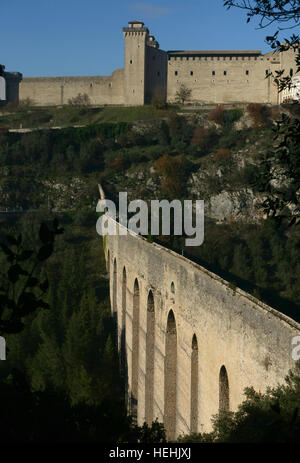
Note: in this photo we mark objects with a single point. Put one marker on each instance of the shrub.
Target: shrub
(26, 102)
(250, 174)
(232, 115)
(158, 102)
(180, 131)
(203, 138)
(259, 114)
(217, 115)
(80, 100)
(223, 154)
(119, 164)
(175, 122)
(172, 172)
(275, 113)
(163, 135)
(85, 217)
(233, 138)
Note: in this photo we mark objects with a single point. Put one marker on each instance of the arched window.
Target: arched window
(114, 305)
(135, 348)
(123, 332)
(172, 289)
(150, 342)
(170, 389)
(194, 385)
(108, 263)
(223, 390)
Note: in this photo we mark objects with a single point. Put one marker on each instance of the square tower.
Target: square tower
(136, 36)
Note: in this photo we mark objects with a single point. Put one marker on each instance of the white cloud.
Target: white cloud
(147, 10)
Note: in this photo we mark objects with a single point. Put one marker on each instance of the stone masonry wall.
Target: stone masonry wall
(233, 329)
(244, 80)
(47, 91)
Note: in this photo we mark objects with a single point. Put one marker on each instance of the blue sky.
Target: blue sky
(84, 37)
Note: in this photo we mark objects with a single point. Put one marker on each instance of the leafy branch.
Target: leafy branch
(21, 290)
(269, 11)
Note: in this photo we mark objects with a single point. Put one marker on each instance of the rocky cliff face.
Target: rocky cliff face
(223, 183)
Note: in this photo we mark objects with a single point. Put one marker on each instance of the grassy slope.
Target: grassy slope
(62, 116)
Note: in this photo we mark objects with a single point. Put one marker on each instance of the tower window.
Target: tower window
(158, 73)
(267, 72)
(191, 73)
(247, 73)
(225, 73)
(213, 73)
(131, 61)
(176, 73)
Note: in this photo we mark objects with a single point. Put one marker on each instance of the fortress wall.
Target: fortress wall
(156, 74)
(47, 91)
(236, 86)
(252, 340)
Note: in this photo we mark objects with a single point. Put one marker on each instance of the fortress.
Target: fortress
(218, 76)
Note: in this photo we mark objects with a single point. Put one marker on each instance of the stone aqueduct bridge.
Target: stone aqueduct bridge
(190, 343)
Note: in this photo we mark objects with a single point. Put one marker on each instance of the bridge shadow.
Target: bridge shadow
(130, 400)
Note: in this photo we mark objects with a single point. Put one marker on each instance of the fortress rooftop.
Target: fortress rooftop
(136, 22)
(214, 53)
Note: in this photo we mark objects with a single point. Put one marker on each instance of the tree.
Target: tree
(269, 417)
(259, 114)
(21, 291)
(62, 388)
(279, 172)
(217, 115)
(285, 14)
(172, 171)
(269, 11)
(183, 94)
(80, 100)
(158, 101)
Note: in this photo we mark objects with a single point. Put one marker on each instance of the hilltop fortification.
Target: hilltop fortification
(214, 76)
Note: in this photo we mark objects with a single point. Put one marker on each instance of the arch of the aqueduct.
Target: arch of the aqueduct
(190, 343)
